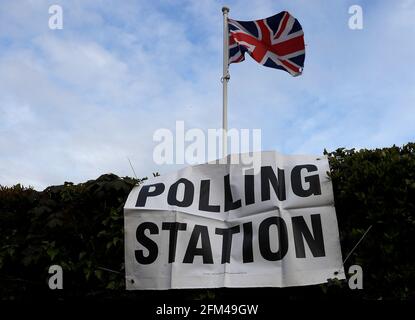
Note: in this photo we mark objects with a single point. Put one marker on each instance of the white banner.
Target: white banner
(228, 225)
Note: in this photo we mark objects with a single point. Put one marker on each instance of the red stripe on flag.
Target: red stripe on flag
(231, 40)
(288, 46)
(283, 25)
(260, 48)
(290, 66)
(265, 34)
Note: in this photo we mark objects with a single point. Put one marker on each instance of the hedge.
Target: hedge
(80, 227)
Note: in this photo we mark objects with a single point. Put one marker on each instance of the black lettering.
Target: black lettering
(149, 244)
(229, 204)
(267, 176)
(247, 250)
(316, 243)
(313, 181)
(174, 228)
(227, 241)
(189, 191)
(264, 239)
(145, 193)
(249, 189)
(204, 198)
(205, 251)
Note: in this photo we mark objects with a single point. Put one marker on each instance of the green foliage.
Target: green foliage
(80, 227)
(377, 187)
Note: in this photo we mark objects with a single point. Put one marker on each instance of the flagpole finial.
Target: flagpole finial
(225, 9)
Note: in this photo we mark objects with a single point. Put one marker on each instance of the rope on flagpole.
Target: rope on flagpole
(360, 240)
(354, 248)
(225, 78)
(132, 168)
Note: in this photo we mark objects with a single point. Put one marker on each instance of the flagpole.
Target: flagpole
(225, 79)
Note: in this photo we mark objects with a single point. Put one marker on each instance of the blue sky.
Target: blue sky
(76, 103)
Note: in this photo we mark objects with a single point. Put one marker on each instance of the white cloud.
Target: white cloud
(76, 103)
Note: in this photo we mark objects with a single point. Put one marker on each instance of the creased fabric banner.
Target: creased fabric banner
(271, 224)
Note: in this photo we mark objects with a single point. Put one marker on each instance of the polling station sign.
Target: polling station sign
(228, 225)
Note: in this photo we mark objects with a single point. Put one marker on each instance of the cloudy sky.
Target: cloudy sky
(78, 102)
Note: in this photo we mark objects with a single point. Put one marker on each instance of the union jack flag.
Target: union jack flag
(275, 42)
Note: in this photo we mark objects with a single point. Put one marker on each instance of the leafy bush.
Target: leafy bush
(377, 188)
(80, 227)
